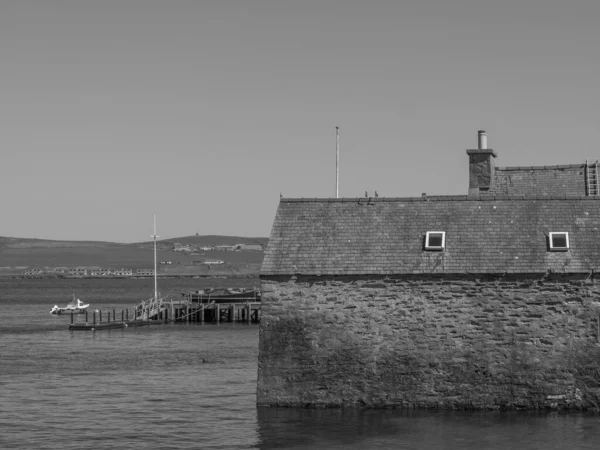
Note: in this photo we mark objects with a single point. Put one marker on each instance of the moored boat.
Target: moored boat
(223, 295)
(155, 305)
(75, 307)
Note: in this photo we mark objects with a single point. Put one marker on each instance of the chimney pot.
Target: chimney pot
(481, 140)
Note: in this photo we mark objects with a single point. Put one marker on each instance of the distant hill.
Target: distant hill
(10, 242)
(19, 254)
(211, 240)
(208, 240)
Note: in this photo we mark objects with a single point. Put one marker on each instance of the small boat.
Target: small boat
(223, 295)
(75, 307)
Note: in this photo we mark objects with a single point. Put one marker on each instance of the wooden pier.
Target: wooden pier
(161, 311)
(190, 312)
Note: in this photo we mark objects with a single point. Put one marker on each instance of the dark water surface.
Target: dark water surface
(194, 386)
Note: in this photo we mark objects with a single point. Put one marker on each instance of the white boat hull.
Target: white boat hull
(60, 311)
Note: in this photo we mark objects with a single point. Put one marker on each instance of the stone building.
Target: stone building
(482, 301)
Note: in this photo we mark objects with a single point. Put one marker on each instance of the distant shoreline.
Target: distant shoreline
(134, 277)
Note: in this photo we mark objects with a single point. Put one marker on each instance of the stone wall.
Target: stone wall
(465, 342)
(566, 180)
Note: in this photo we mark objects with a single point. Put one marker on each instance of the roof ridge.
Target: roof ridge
(562, 166)
(434, 198)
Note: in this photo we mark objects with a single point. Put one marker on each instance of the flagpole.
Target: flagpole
(337, 162)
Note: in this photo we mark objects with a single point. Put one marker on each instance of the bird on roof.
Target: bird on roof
(376, 194)
(366, 195)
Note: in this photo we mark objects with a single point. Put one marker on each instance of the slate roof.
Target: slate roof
(539, 180)
(386, 235)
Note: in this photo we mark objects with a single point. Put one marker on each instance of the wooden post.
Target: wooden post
(71, 318)
(127, 314)
(249, 313)
(172, 313)
(114, 316)
(86, 316)
(94, 318)
(231, 312)
(202, 313)
(100, 316)
(122, 316)
(187, 312)
(217, 311)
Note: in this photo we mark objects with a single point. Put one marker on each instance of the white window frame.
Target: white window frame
(435, 247)
(558, 249)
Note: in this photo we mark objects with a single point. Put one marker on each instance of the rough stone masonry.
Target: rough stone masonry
(491, 342)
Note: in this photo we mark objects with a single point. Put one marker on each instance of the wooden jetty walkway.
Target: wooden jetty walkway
(163, 311)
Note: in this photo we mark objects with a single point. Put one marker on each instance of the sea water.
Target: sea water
(188, 386)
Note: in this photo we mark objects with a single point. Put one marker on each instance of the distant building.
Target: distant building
(249, 247)
(184, 248)
(34, 272)
(144, 272)
(79, 271)
(123, 272)
(100, 272)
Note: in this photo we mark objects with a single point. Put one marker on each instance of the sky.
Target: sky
(205, 112)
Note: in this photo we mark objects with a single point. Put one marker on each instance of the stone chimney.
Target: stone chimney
(481, 166)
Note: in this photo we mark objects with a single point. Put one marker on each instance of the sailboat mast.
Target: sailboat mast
(154, 236)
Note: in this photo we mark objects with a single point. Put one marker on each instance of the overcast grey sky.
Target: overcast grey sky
(203, 112)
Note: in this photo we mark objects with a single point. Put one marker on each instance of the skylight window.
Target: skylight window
(435, 240)
(559, 241)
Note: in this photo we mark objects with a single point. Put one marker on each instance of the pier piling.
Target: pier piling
(172, 312)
